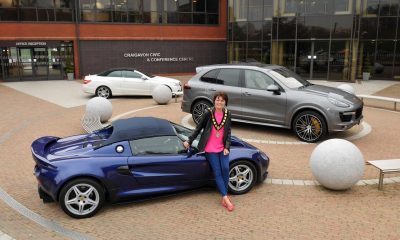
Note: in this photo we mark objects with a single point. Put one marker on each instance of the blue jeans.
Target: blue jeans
(220, 166)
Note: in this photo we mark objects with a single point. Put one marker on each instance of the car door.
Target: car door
(161, 164)
(261, 105)
(134, 84)
(113, 80)
(226, 80)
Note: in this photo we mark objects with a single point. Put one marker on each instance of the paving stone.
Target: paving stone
(287, 182)
(298, 182)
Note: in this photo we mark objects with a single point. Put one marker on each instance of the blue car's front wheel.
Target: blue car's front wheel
(242, 177)
(81, 198)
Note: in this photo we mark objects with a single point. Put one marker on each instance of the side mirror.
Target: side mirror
(274, 88)
(144, 78)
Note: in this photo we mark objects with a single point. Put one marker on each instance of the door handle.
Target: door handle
(212, 89)
(246, 94)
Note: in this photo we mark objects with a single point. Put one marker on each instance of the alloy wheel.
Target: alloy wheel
(104, 92)
(309, 127)
(240, 177)
(82, 199)
(198, 111)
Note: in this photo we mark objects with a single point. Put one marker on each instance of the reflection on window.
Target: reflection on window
(257, 80)
(268, 9)
(290, 7)
(240, 9)
(255, 10)
(157, 145)
(342, 6)
(229, 77)
(371, 7)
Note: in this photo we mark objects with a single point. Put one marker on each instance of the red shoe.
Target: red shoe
(229, 208)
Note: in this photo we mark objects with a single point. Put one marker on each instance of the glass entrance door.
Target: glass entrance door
(40, 63)
(25, 62)
(312, 59)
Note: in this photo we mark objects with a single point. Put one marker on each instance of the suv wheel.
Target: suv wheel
(309, 126)
(198, 109)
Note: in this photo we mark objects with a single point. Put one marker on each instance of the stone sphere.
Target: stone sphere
(347, 88)
(101, 107)
(337, 164)
(162, 94)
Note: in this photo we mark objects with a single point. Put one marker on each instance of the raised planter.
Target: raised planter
(366, 76)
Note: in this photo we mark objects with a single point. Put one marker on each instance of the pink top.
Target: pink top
(215, 144)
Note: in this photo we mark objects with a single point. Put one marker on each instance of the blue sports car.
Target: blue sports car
(133, 159)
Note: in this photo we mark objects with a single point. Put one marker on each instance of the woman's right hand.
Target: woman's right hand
(186, 144)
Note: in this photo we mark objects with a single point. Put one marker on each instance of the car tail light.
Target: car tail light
(86, 81)
(186, 86)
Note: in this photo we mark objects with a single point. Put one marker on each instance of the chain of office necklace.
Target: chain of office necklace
(221, 125)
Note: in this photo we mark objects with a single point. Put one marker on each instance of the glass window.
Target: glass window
(257, 80)
(286, 53)
(253, 52)
(115, 74)
(229, 77)
(254, 31)
(287, 28)
(316, 7)
(255, 10)
(240, 10)
(199, 6)
(212, 6)
(210, 76)
(342, 6)
(172, 5)
(266, 52)
(290, 6)
(45, 4)
(368, 28)
(27, 3)
(131, 74)
(199, 18)
(386, 28)
(388, 7)
(341, 26)
(212, 19)
(240, 31)
(267, 30)
(268, 9)
(157, 145)
(237, 51)
(339, 60)
(383, 66)
(313, 27)
(184, 6)
(371, 7)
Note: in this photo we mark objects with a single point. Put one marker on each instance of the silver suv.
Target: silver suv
(275, 96)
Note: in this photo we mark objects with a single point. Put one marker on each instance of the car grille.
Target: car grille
(347, 117)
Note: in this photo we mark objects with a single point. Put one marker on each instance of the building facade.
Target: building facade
(318, 39)
(45, 39)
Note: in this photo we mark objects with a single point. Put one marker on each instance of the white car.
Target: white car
(127, 81)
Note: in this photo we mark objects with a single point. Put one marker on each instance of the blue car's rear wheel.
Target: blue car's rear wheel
(242, 177)
(81, 198)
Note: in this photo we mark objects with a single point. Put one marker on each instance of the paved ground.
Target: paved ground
(268, 212)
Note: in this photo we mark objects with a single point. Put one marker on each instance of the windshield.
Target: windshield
(289, 78)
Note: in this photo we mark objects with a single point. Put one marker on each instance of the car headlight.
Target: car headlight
(338, 103)
(263, 155)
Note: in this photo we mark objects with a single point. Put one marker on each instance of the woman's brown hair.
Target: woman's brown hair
(222, 95)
